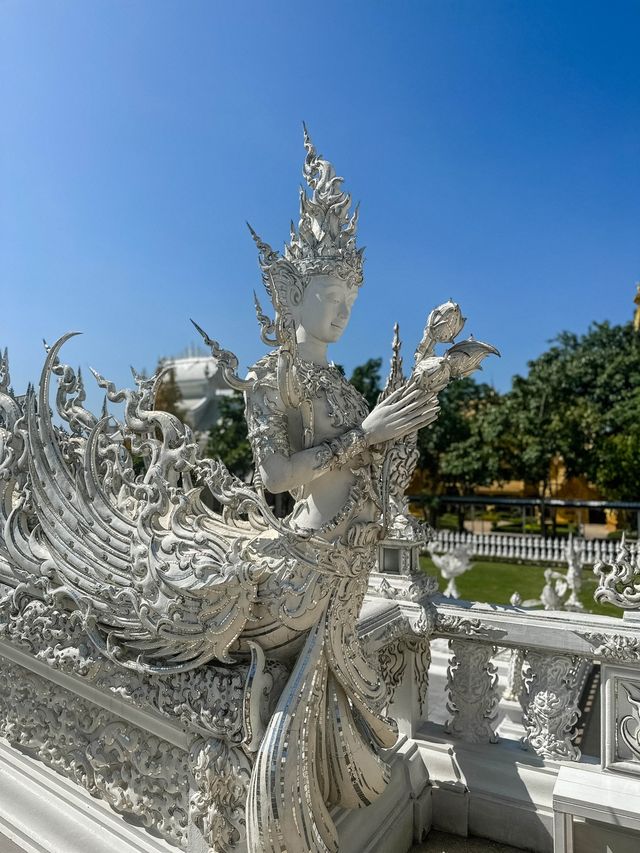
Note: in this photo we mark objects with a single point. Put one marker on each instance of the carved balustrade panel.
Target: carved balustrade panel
(202, 783)
(136, 772)
(472, 680)
(515, 680)
(621, 718)
(550, 701)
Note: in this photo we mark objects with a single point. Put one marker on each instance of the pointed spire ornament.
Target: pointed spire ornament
(324, 241)
(396, 374)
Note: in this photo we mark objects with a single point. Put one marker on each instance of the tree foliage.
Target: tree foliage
(460, 449)
(228, 438)
(366, 378)
(168, 394)
(579, 403)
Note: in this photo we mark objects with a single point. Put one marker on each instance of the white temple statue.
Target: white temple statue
(161, 584)
(560, 591)
(451, 565)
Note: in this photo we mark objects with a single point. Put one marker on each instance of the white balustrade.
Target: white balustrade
(525, 547)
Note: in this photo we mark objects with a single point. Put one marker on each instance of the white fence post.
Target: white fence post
(525, 548)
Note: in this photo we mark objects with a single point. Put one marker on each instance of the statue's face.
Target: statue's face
(326, 306)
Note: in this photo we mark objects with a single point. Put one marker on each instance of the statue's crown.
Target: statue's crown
(325, 241)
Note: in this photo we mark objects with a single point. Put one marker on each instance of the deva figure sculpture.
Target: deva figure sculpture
(162, 584)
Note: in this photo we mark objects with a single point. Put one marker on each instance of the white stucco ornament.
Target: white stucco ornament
(560, 591)
(161, 584)
(451, 565)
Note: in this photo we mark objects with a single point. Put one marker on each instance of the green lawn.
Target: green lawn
(494, 583)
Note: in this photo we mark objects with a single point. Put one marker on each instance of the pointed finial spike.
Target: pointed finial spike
(204, 335)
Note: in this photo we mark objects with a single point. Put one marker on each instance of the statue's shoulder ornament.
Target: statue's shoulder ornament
(266, 411)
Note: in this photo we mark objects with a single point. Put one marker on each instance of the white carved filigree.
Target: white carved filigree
(412, 588)
(629, 725)
(220, 775)
(515, 679)
(134, 771)
(105, 525)
(613, 647)
(574, 555)
(552, 686)
(472, 680)
(394, 658)
(462, 626)
(619, 581)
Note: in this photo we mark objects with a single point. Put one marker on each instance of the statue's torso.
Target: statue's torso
(325, 406)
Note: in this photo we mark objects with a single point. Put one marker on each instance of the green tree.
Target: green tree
(168, 395)
(366, 378)
(460, 449)
(580, 403)
(228, 439)
(618, 467)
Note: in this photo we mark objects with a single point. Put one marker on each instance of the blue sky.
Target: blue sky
(494, 146)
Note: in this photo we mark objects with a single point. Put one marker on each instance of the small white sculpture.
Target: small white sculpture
(619, 581)
(555, 587)
(575, 559)
(560, 591)
(451, 564)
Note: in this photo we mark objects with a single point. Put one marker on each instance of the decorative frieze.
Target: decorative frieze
(210, 699)
(402, 587)
(447, 623)
(613, 647)
(136, 772)
(621, 718)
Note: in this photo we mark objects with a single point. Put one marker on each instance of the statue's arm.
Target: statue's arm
(282, 470)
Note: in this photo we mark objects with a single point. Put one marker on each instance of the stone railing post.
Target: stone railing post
(515, 681)
(405, 668)
(550, 700)
(473, 696)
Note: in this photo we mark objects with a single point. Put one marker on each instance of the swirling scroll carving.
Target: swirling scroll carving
(472, 680)
(134, 771)
(221, 775)
(551, 704)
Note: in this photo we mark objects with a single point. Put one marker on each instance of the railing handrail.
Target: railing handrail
(583, 634)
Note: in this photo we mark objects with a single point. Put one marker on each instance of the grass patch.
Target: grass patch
(494, 583)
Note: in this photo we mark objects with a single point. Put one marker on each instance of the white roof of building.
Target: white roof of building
(200, 383)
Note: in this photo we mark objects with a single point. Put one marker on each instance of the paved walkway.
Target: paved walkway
(440, 842)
